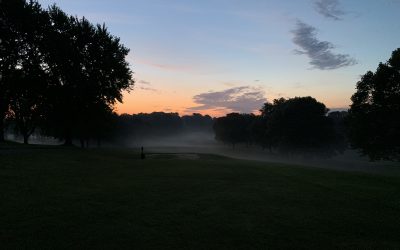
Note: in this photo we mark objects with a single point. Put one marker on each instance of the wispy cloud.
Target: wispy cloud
(319, 52)
(146, 86)
(144, 82)
(244, 99)
(229, 84)
(330, 9)
(168, 67)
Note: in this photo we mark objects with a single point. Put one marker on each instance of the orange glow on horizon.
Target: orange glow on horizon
(140, 101)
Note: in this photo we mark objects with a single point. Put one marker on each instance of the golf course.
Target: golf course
(69, 198)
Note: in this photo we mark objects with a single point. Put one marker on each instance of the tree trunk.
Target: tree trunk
(2, 129)
(68, 138)
(82, 143)
(3, 110)
(68, 141)
(26, 138)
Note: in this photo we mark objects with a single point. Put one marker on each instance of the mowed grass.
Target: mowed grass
(110, 199)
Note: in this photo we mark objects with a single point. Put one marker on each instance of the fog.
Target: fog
(204, 143)
(189, 144)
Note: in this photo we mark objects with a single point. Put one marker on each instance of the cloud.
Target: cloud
(229, 84)
(244, 99)
(329, 9)
(319, 52)
(146, 86)
(149, 89)
(144, 82)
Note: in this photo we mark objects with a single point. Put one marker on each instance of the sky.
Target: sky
(220, 56)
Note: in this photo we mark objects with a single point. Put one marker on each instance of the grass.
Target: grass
(100, 199)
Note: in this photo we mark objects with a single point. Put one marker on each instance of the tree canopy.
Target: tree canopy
(234, 128)
(374, 116)
(299, 124)
(57, 70)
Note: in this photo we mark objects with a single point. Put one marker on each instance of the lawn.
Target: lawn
(55, 197)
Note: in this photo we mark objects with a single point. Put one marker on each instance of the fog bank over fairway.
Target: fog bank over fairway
(188, 144)
(204, 143)
(184, 140)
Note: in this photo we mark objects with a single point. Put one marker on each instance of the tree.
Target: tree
(29, 84)
(89, 71)
(299, 125)
(9, 50)
(234, 128)
(59, 70)
(339, 119)
(259, 133)
(374, 115)
(197, 122)
(26, 82)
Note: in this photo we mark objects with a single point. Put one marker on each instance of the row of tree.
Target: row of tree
(157, 125)
(126, 129)
(63, 74)
(296, 125)
(302, 124)
(58, 72)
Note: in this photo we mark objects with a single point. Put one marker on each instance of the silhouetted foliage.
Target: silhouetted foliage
(29, 79)
(339, 119)
(60, 71)
(300, 125)
(130, 128)
(234, 128)
(259, 132)
(374, 116)
(10, 16)
(90, 72)
(197, 122)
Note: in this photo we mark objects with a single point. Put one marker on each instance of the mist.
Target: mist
(190, 136)
(195, 142)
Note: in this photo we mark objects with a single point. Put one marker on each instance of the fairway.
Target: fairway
(55, 197)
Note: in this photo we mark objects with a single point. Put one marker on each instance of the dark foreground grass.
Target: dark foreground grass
(110, 199)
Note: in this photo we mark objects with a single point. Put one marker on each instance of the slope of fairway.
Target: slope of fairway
(71, 198)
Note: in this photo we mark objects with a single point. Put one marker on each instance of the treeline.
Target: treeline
(59, 73)
(297, 125)
(303, 125)
(129, 128)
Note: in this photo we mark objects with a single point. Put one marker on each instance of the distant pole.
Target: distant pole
(142, 155)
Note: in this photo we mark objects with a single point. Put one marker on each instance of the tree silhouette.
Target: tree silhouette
(10, 11)
(234, 128)
(59, 70)
(339, 120)
(197, 122)
(25, 74)
(374, 116)
(299, 125)
(89, 72)
(29, 82)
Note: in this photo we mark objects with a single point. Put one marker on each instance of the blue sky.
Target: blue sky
(219, 56)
